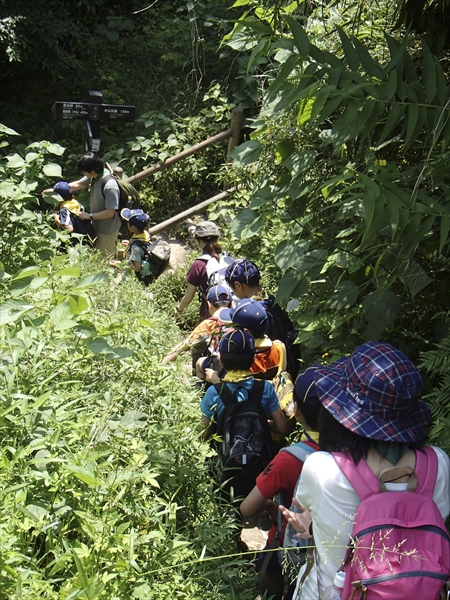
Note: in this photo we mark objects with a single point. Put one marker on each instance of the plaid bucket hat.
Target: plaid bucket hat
(375, 394)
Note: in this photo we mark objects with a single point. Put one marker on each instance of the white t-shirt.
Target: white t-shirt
(326, 492)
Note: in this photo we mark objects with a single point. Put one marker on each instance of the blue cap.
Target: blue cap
(242, 270)
(135, 217)
(63, 189)
(247, 313)
(237, 342)
(219, 293)
(304, 384)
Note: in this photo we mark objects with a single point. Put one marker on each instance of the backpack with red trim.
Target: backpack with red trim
(400, 547)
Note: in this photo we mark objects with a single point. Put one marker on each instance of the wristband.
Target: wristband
(91, 216)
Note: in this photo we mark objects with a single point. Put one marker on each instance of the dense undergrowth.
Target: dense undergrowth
(104, 488)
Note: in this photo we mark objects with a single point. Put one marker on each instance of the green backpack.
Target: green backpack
(128, 194)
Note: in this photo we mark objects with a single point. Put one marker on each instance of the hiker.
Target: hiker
(204, 337)
(236, 355)
(243, 276)
(206, 233)
(270, 356)
(67, 216)
(372, 416)
(279, 479)
(104, 202)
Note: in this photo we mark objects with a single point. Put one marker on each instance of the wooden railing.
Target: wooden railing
(233, 134)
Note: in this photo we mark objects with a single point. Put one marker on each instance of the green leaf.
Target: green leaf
(248, 152)
(85, 474)
(245, 224)
(101, 346)
(411, 115)
(344, 297)
(78, 304)
(62, 316)
(312, 262)
(56, 149)
(380, 310)
(305, 111)
(298, 163)
(287, 68)
(91, 280)
(259, 50)
(349, 51)
(319, 101)
(52, 170)
(324, 57)
(284, 149)
(68, 272)
(12, 310)
(390, 88)
(288, 252)
(7, 131)
(133, 419)
(429, 73)
(414, 277)
(369, 202)
(292, 285)
(369, 64)
(15, 161)
(300, 38)
(445, 225)
(341, 130)
(393, 120)
(257, 26)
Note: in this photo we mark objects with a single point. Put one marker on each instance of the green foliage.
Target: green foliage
(105, 492)
(350, 151)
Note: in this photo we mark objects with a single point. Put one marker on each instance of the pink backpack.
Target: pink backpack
(400, 547)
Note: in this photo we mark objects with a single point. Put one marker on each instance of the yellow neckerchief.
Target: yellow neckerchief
(144, 235)
(236, 376)
(72, 206)
(264, 342)
(314, 435)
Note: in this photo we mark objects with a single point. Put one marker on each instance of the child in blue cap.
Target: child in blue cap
(67, 216)
(206, 335)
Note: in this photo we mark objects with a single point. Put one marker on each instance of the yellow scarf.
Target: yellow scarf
(314, 435)
(235, 376)
(72, 206)
(144, 235)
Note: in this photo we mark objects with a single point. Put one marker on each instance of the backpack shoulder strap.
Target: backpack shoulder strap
(224, 392)
(105, 180)
(257, 389)
(300, 450)
(426, 470)
(360, 476)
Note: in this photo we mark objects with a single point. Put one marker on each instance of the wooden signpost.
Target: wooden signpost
(93, 113)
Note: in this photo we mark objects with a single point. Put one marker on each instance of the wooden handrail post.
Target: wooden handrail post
(237, 121)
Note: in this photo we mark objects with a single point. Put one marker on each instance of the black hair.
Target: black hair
(221, 304)
(212, 247)
(251, 282)
(90, 162)
(334, 437)
(310, 410)
(231, 361)
(258, 333)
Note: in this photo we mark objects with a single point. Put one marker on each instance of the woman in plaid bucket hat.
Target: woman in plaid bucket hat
(371, 411)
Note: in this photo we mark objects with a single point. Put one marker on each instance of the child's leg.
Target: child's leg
(199, 372)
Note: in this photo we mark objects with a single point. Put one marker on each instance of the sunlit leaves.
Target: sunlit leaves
(248, 152)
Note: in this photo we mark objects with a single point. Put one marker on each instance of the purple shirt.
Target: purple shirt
(198, 277)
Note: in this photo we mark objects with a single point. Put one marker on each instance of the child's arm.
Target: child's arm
(176, 351)
(255, 503)
(278, 424)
